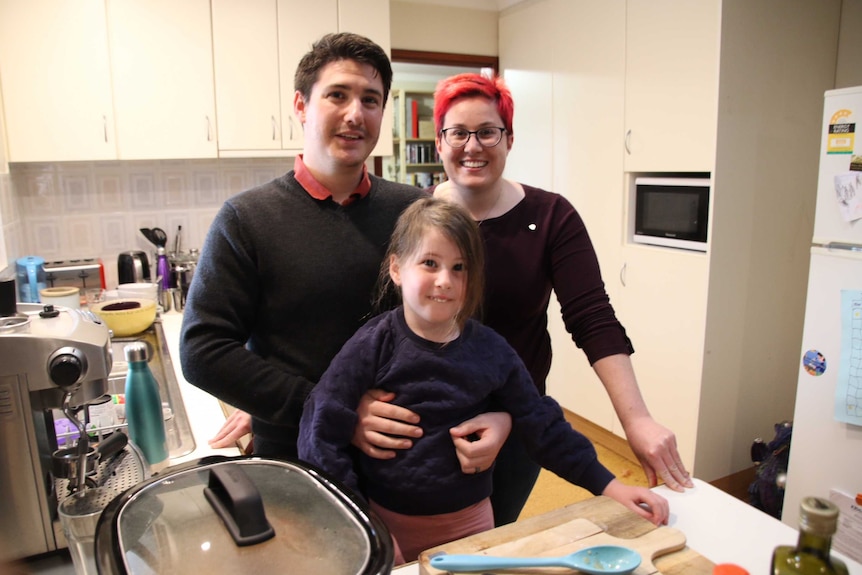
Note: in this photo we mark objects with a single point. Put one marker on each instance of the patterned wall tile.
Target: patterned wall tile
(174, 189)
(96, 209)
(44, 237)
(112, 190)
(80, 236)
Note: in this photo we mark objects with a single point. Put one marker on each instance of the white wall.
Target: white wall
(433, 28)
(849, 72)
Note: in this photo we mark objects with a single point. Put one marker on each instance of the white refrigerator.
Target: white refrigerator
(826, 444)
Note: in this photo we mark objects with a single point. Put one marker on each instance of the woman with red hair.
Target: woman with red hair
(536, 243)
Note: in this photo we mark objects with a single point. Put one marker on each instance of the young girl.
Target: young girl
(448, 368)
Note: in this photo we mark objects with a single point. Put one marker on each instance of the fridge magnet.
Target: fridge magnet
(848, 391)
(813, 362)
(841, 133)
(848, 194)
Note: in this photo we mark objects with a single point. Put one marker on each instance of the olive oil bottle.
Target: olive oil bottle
(818, 520)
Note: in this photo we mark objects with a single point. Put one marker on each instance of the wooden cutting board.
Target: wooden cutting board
(595, 521)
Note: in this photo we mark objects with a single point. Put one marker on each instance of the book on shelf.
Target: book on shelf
(426, 179)
(414, 126)
(422, 153)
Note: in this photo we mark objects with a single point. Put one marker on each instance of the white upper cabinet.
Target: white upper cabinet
(161, 55)
(245, 53)
(370, 18)
(257, 45)
(672, 56)
(300, 24)
(56, 77)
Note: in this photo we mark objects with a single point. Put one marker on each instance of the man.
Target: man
(287, 271)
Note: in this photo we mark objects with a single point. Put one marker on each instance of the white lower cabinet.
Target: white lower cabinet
(662, 302)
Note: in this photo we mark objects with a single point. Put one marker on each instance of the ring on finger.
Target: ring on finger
(477, 470)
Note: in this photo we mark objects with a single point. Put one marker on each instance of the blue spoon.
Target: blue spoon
(601, 559)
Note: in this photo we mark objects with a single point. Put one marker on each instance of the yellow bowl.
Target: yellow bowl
(126, 317)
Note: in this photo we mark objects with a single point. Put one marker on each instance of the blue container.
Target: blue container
(30, 275)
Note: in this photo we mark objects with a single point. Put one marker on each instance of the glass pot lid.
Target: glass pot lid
(241, 515)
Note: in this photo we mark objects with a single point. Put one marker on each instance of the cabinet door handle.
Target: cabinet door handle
(623, 274)
(209, 129)
(290, 125)
(274, 129)
(627, 142)
(105, 127)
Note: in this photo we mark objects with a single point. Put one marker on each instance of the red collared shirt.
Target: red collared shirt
(317, 191)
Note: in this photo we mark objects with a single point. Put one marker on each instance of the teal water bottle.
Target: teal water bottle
(144, 408)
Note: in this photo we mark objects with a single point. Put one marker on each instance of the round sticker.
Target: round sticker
(814, 362)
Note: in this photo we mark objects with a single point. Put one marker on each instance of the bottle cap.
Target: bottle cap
(818, 516)
(136, 351)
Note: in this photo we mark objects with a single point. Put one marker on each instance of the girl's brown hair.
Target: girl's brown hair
(456, 224)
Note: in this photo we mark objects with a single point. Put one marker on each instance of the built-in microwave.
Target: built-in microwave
(672, 212)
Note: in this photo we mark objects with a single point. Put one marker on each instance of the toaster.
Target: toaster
(80, 273)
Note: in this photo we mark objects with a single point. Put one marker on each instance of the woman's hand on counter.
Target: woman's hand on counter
(237, 425)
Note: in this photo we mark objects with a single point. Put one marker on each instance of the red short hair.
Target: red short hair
(473, 85)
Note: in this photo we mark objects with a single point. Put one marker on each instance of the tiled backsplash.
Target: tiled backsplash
(84, 209)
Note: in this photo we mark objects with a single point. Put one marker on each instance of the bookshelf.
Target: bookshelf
(415, 160)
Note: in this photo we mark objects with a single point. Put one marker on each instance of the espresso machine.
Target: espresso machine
(52, 361)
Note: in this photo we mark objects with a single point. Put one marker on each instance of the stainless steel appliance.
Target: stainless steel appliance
(133, 267)
(44, 354)
(671, 212)
(81, 273)
(241, 515)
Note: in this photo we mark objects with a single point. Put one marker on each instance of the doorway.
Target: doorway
(417, 73)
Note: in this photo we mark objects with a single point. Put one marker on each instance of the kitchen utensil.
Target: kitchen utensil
(31, 278)
(594, 521)
(601, 559)
(169, 523)
(65, 462)
(79, 515)
(133, 267)
(139, 290)
(67, 296)
(126, 317)
(156, 236)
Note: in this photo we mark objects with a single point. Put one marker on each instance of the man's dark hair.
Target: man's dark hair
(341, 46)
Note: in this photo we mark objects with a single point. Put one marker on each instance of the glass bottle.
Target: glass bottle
(144, 408)
(818, 520)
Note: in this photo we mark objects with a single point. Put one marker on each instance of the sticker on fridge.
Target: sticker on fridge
(848, 392)
(842, 133)
(848, 195)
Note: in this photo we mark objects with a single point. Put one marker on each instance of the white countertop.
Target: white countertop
(721, 528)
(202, 409)
(716, 525)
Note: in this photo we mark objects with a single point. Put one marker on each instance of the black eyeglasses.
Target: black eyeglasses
(487, 137)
